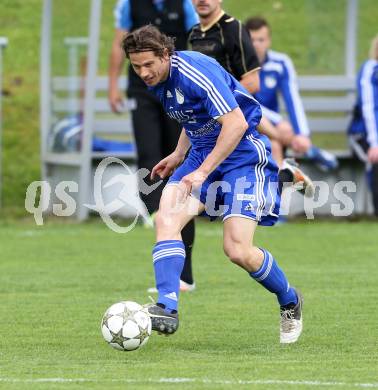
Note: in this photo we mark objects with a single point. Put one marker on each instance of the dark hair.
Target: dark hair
(148, 38)
(256, 23)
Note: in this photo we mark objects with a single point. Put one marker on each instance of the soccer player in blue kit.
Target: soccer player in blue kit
(278, 77)
(229, 171)
(363, 130)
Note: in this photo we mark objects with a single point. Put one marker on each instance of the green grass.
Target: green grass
(57, 280)
(311, 31)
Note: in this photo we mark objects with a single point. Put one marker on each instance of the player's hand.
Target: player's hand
(165, 167)
(301, 144)
(115, 100)
(373, 154)
(188, 182)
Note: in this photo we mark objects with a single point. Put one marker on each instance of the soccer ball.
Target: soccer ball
(126, 326)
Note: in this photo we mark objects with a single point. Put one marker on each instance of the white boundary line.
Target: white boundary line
(193, 380)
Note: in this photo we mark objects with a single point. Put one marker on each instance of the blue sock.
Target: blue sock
(273, 279)
(168, 257)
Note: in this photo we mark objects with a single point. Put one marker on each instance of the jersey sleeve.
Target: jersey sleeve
(369, 100)
(207, 81)
(273, 116)
(122, 16)
(290, 92)
(241, 53)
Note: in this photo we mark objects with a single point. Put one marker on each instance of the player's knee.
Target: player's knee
(286, 132)
(234, 251)
(166, 223)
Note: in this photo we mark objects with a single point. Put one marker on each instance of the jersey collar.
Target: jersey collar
(211, 24)
(267, 55)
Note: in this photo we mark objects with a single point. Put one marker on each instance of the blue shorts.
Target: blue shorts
(244, 185)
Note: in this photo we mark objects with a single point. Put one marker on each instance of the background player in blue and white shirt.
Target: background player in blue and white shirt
(229, 171)
(278, 76)
(363, 131)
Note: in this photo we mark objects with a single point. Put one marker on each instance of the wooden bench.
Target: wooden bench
(328, 102)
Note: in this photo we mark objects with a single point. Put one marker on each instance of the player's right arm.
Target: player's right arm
(233, 128)
(234, 125)
(116, 61)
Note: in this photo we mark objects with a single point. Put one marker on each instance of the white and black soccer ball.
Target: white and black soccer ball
(126, 326)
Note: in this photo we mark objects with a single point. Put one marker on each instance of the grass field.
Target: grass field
(57, 280)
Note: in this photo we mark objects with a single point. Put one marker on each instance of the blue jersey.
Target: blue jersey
(123, 20)
(198, 91)
(277, 75)
(365, 119)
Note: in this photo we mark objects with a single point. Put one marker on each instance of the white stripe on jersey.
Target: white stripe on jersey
(367, 96)
(206, 81)
(273, 66)
(246, 95)
(273, 116)
(209, 84)
(293, 87)
(190, 77)
(358, 149)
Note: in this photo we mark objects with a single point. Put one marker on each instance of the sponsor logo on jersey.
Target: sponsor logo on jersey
(270, 82)
(169, 94)
(207, 128)
(179, 96)
(185, 116)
